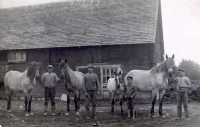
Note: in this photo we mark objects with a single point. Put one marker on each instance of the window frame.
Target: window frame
(22, 53)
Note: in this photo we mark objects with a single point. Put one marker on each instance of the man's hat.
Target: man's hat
(90, 66)
(129, 77)
(49, 66)
(180, 69)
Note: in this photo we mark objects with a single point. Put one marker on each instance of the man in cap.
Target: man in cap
(91, 88)
(49, 80)
(183, 83)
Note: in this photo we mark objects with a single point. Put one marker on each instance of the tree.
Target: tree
(192, 69)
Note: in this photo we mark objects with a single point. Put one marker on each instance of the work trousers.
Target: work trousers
(50, 93)
(91, 98)
(182, 97)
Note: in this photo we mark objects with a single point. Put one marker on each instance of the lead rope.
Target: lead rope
(184, 113)
(14, 116)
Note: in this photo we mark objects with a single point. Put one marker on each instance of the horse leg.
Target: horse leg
(9, 94)
(160, 102)
(121, 102)
(26, 102)
(154, 93)
(79, 101)
(112, 103)
(68, 102)
(29, 105)
(76, 101)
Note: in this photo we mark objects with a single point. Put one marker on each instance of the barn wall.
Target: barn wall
(138, 56)
(129, 56)
(159, 44)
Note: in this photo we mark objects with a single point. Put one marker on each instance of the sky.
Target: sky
(181, 25)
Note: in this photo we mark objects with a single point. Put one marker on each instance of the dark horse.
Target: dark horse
(21, 82)
(154, 81)
(73, 83)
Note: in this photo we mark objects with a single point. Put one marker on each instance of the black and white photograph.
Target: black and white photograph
(104, 63)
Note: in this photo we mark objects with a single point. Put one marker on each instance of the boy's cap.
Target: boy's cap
(49, 66)
(90, 66)
(129, 77)
(180, 69)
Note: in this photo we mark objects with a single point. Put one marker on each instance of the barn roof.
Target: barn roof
(67, 24)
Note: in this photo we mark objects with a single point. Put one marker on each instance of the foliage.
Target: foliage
(192, 69)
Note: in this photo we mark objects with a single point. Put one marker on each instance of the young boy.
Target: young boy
(49, 80)
(130, 92)
(183, 83)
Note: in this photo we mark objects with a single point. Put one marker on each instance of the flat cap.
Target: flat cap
(49, 66)
(180, 69)
(90, 66)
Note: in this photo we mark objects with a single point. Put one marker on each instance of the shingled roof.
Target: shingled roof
(67, 24)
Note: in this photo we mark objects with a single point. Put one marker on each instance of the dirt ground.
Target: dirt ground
(17, 118)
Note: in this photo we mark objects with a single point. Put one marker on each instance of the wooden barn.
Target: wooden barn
(110, 34)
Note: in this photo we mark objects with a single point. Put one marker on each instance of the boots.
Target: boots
(93, 113)
(45, 110)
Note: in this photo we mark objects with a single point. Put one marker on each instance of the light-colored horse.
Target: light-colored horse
(21, 82)
(73, 83)
(154, 81)
(115, 88)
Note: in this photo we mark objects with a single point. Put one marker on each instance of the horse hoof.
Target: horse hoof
(77, 113)
(31, 113)
(162, 116)
(26, 114)
(153, 116)
(67, 113)
(9, 110)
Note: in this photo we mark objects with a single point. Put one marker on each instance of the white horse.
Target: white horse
(115, 88)
(21, 82)
(154, 80)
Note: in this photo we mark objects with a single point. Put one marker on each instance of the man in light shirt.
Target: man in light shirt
(183, 83)
(49, 80)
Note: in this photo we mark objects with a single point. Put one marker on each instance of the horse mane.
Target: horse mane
(159, 68)
(31, 71)
(67, 69)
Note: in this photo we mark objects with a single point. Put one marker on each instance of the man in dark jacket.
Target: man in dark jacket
(91, 88)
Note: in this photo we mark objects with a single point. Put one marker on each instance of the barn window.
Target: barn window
(17, 56)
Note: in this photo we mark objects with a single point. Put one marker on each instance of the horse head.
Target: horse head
(62, 64)
(170, 65)
(117, 78)
(33, 70)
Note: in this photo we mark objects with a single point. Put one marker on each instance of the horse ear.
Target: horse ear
(59, 60)
(166, 56)
(120, 72)
(65, 60)
(173, 56)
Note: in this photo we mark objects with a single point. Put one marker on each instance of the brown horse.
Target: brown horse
(154, 81)
(21, 82)
(73, 83)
